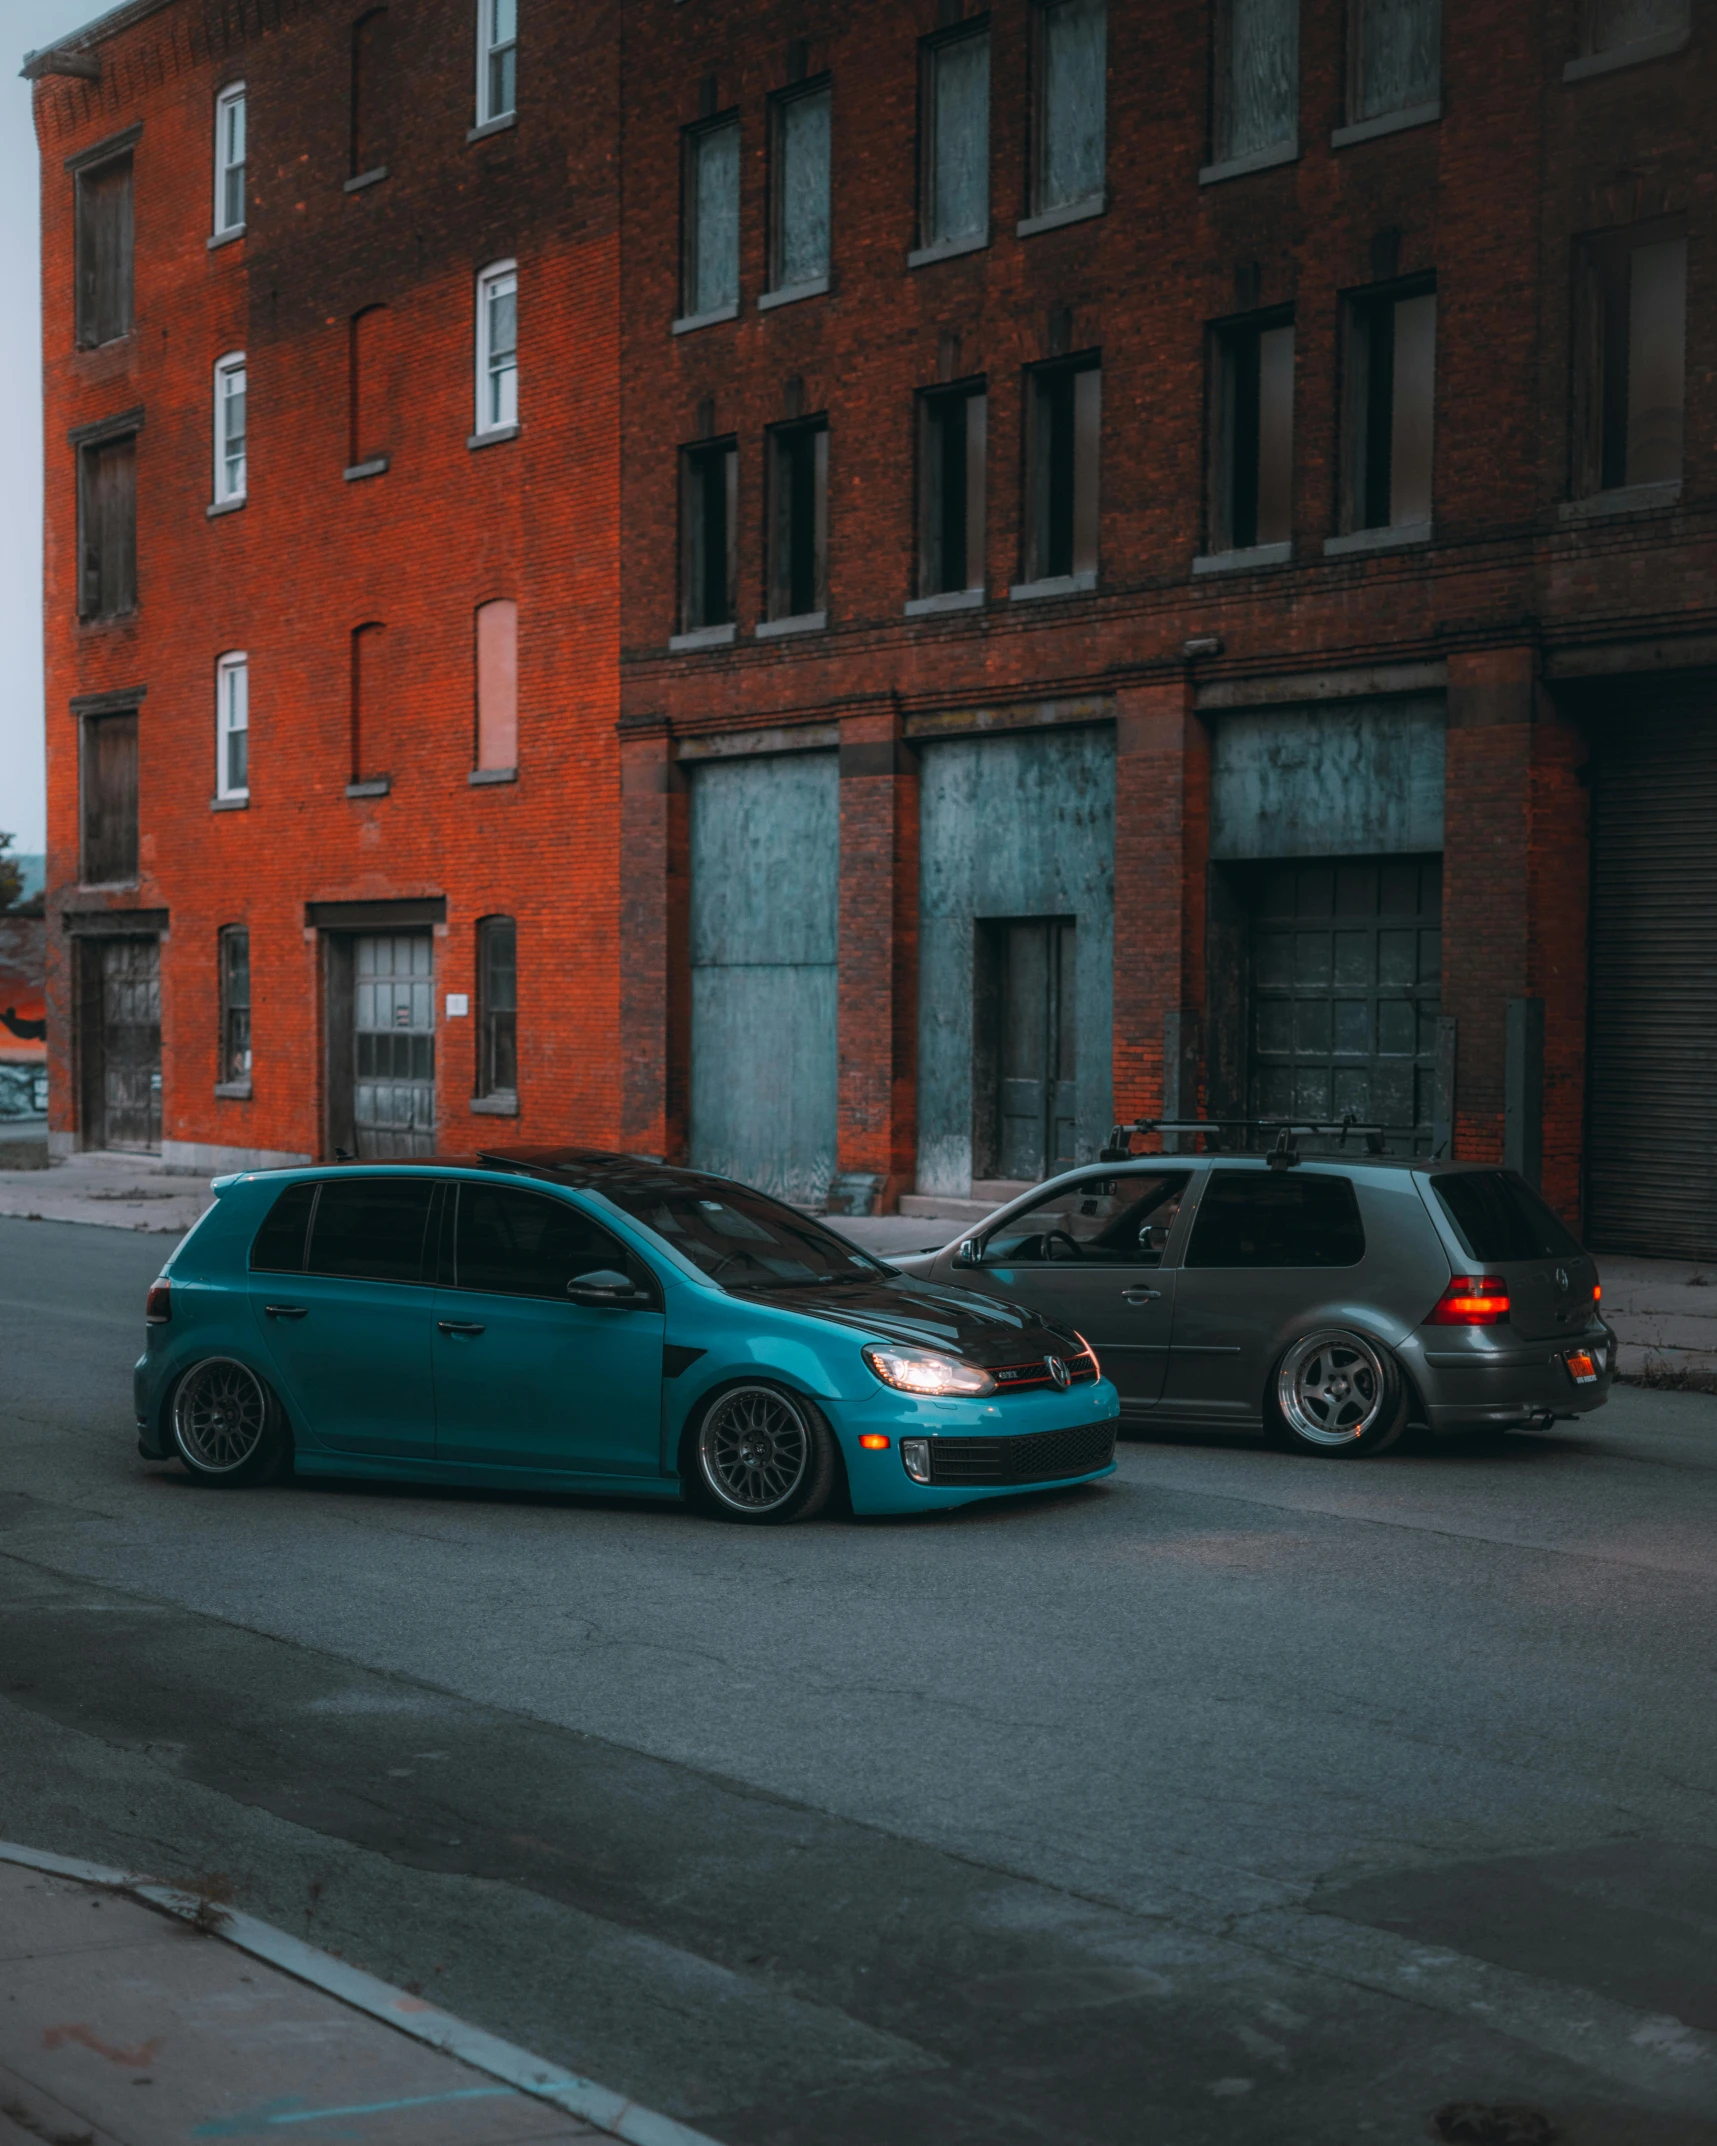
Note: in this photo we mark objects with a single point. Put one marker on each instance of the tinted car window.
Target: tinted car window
(743, 1238)
(1100, 1222)
(370, 1228)
(522, 1244)
(1257, 1218)
(279, 1245)
(1498, 1217)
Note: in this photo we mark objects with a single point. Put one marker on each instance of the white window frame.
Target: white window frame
(232, 95)
(489, 287)
(488, 45)
(228, 494)
(232, 717)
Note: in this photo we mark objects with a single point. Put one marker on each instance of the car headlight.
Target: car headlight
(925, 1371)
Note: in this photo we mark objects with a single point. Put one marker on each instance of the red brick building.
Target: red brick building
(1168, 561)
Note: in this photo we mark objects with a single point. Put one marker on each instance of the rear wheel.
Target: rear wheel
(227, 1426)
(763, 1455)
(1335, 1393)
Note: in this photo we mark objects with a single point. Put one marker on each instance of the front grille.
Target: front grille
(1011, 1377)
(1038, 1457)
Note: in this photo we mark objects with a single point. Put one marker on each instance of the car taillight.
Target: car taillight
(158, 1307)
(1471, 1300)
(1597, 1294)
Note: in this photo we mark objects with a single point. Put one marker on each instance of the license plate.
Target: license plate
(1581, 1369)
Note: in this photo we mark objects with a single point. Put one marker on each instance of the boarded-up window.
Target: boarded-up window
(1630, 356)
(800, 250)
(1257, 76)
(1395, 60)
(498, 684)
(370, 385)
(1389, 408)
(799, 520)
(107, 513)
(709, 499)
(956, 148)
(951, 443)
(104, 252)
(497, 1007)
(1252, 435)
(1072, 104)
(371, 709)
(235, 1006)
(711, 269)
(372, 92)
(1609, 25)
(107, 785)
(1064, 415)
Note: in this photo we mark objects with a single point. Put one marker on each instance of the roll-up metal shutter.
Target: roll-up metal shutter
(1651, 1145)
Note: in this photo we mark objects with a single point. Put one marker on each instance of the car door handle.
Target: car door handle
(457, 1326)
(286, 1311)
(1140, 1296)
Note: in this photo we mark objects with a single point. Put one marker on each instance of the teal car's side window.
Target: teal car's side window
(523, 1244)
(370, 1228)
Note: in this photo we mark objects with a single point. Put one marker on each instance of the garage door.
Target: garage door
(765, 857)
(1651, 1145)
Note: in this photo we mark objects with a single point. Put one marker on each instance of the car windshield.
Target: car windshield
(1498, 1217)
(744, 1239)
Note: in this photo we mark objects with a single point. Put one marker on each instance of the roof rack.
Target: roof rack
(1224, 1135)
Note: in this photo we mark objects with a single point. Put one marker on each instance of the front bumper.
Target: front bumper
(991, 1448)
(1493, 1379)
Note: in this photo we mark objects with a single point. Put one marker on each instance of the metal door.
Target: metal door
(1037, 1047)
(393, 1044)
(1346, 981)
(128, 1096)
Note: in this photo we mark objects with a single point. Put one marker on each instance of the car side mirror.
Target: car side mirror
(969, 1253)
(604, 1285)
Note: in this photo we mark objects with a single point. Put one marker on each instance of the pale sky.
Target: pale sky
(25, 26)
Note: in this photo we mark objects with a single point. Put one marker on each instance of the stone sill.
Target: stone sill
(224, 238)
(1398, 536)
(685, 644)
(1245, 561)
(494, 437)
(481, 778)
(690, 323)
(772, 629)
(1368, 130)
(1070, 212)
(372, 786)
(240, 803)
(1661, 47)
(947, 249)
(485, 127)
(1236, 167)
(1625, 499)
(495, 1106)
(948, 600)
(365, 178)
(1080, 584)
(818, 287)
(224, 506)
(233, 1091)
(375, 468)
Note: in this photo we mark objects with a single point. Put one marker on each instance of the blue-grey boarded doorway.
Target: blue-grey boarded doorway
(765, 866)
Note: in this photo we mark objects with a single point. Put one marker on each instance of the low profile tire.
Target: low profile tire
(1335, 1394)
(227, 1426)
(761, 1455)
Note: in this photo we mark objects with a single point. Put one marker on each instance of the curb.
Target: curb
(487, 2053)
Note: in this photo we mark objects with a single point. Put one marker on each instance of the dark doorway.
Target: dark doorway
(121, 1036)
(381, 1044)
(1026, 1087)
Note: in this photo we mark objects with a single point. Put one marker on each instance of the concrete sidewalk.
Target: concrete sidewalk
(124, 2026)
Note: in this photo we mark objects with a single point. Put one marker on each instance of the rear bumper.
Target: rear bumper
(1510, 1382)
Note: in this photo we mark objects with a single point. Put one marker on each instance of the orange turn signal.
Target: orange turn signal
(873, 1441)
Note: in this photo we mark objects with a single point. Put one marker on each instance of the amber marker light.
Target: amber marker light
(1471, 1300)
(873, 1441)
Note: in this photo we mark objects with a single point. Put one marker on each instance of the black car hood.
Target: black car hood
(929, 1315)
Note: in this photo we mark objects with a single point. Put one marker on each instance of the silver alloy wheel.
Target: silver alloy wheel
(754, 1449)
(1331, 1388)
(220, 1415)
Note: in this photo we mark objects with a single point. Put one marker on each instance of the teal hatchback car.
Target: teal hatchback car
(568, 1319)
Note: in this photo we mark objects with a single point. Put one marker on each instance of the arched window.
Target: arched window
(229, 160)
(498, 686)
(497, 59)
(232, 727)
(371, 93)
(498, 348)
(230, 465)
(232, 1072)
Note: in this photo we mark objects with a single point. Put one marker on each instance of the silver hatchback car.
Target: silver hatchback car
(1326, 1300)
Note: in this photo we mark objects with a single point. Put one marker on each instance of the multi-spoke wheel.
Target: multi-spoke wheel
(226, 1425)
(763, 1454)
(1335, 1392)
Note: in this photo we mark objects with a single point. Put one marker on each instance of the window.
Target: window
(232, 727)
(497, 59)
(951, 442)
(229, 430)
(234, 1069)
(1097, 1222)
(709, 497)
(369, 710)
(370, 382)
(498, 348)
(371, 93)
(1072, 101)
(1389, 401)
(1498, 1218)
(1257, 102)
(1630, 357)
(497, 1008)
(1613, 25)
(954, 182)
(104, 252)
(229, 160)
(1276, 1218)
(1252, 436)
(799, 221)
(107, 799)
(107, 515)
(527, 1244)
(1394, 57)
(709, 280)
(1064, 406)
(370, 1228)
(498, 685)
(279, 1246)
(744, 1239)
(798, 520)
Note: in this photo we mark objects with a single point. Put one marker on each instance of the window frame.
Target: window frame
(935, 405)
(1398, 115)
(1226, 530)
(933, 242)
(1361, 425)
(809, 286)
(89, 455)
(88, 727)
(225, 165)
(691, 140)
(1222, 150)
(488, 719)
(86, 325)
(487, 1088)
(1044, 211)
(1037, 534)
(228, 1081)
(694, 478)
(497, 272)
(1590, 386)
(232, 720)
(490, 48)
(779, 609)
(225, 494)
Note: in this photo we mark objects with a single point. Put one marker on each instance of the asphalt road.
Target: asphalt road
(1240, 1799)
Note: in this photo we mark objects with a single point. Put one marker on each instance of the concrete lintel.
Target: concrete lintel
(1014, 715)
(774, 738)
(1367, 681)
(1616, 658)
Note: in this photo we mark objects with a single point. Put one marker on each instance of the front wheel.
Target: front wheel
(1335, 1393)
(227, 1426)
(763, 1455)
